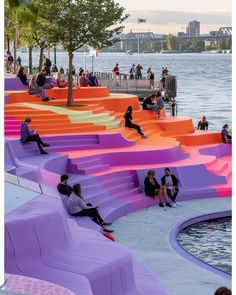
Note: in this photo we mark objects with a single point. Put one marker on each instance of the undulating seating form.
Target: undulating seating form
(91, 144)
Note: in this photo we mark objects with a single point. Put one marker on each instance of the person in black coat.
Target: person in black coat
(152, 189)
(128, 122)
(170, 182)
(63, 187)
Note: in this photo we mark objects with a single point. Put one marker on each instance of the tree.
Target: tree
(75, 23)
(229, 43)
(221, 44)
(172, 42)
(198, 45)
(36, 29)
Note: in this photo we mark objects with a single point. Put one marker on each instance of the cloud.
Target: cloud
(162, 17)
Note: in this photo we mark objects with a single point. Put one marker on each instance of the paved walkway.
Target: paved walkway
(146, 234)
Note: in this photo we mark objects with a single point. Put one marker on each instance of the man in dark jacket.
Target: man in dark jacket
(29, 135)
(171, 184)
(42, 80)
(63, 187)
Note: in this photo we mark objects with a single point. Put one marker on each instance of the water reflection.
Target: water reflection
(210, 242)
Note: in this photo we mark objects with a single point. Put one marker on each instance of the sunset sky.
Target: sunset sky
(173, 16)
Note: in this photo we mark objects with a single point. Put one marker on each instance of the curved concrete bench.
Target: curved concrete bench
(14, 84)
(45, 246)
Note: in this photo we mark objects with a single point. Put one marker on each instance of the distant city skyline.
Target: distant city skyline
(173, 16)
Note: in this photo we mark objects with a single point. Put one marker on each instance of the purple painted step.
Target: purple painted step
(14, 84)
(217, 150)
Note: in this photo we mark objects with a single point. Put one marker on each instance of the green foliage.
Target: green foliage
(79, 22)
(75, 23)
(172, 42)
(229, 43)
(198, 45)
(208, 47)
(221, 44)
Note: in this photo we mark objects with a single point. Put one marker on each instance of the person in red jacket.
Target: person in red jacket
(116, 73)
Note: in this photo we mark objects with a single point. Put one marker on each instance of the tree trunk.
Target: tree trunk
(15, 43)
(70, 81)
(41, 58)
(8, 43)
(30, 60)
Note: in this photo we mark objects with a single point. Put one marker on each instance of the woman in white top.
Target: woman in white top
(77, 206)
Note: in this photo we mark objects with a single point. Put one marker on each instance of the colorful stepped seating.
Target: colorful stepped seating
(111, 166)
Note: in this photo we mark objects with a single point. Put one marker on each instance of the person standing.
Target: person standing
(138, 72)
(159, 104)
(116, 73)
(29, 135)
(202, 124)
(170, 182)
(152, 189)
(128, 122)
(132, 72)
(226, 138)
(150, 76)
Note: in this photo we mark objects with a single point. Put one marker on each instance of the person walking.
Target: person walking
(128, 122)
(170, 182)
(159, 104)
(29, 135)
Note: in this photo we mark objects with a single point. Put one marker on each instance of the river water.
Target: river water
(210, 241)
(203, 80)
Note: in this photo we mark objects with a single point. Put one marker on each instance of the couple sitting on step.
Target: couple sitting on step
(76, 205)
(168, 188)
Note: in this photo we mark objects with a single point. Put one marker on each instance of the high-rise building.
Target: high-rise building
(193, 29)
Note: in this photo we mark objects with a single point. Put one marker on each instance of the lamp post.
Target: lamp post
(55, 54)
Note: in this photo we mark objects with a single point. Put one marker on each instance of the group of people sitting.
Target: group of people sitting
(87, 79)
(155, 103)
(76, 204)
(225, 134)
(168, 188)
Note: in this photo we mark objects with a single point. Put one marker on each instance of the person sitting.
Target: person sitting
(61, 71)
(29, 135)
(223, 291)
(202, 124)
(63, 187)
(152, 189)
(42, 80)
(83, 81)
(35, 89)
(226, 138)
(22, 76)
(128, 122)
(93, 81)
(54, 68)
(171, 184)
(149, 103)
(76, 206)
(61, 83)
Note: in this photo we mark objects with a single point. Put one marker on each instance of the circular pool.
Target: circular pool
(209, 241)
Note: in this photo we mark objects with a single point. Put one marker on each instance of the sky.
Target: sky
(172, 16)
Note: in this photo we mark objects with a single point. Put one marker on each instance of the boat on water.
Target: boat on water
(130, 52)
